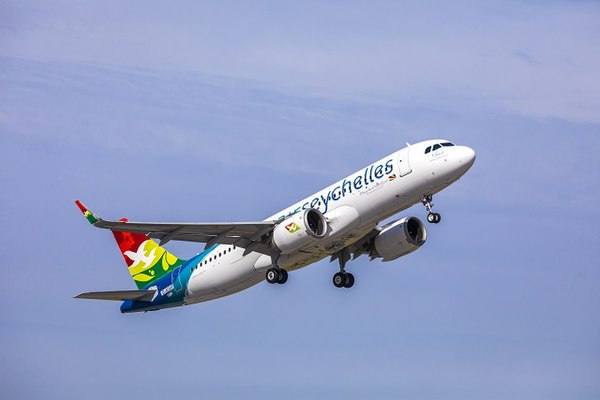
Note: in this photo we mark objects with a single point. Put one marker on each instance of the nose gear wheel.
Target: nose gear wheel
(434, 218)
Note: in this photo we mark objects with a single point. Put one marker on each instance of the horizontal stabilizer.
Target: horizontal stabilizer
(119, 295)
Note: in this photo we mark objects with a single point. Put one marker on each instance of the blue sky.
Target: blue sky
(227, 112)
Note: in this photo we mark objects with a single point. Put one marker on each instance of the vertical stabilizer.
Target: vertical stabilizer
(145, 259)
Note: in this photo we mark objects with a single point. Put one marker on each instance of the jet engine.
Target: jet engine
(299, 230)
(399, 238)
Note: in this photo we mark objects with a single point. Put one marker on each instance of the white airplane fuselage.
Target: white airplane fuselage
(374, 193)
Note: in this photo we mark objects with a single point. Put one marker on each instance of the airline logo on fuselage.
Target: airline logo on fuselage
(358, 183)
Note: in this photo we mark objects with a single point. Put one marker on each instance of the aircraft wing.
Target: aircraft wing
(248, 235)
(119, 295)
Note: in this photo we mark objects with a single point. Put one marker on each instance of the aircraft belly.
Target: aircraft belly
(252, 280)
(301, 259)
(223, 277)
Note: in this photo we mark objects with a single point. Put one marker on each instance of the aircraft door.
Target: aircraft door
(403, 162)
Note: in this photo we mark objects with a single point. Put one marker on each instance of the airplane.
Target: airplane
(340, 222)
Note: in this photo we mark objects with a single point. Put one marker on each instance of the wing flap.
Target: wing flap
(119, 295)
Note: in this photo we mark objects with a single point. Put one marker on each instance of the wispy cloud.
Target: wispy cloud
(356, 50)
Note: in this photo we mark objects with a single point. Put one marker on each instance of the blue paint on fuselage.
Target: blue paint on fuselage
(171, 288)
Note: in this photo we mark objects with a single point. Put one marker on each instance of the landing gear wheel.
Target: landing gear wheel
(349, 280)
(277, 275)
(339, 280)
(282, 276)
(343, 280)
(272, 275)
(434, 218)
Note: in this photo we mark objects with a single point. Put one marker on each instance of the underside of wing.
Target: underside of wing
(241, 234)
(119, 295)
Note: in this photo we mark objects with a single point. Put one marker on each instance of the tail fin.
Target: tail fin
(146, 260)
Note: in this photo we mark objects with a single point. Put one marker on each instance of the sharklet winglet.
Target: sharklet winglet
(90, 216)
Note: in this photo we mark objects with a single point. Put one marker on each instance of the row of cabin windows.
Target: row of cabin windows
(437, 146)
(215, 257)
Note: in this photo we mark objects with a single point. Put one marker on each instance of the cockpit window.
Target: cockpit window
(438, 146)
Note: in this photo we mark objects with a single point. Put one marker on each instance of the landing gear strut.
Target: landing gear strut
(433, 218)
(343, 279)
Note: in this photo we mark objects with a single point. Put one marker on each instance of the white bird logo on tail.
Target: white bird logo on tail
(140, 256)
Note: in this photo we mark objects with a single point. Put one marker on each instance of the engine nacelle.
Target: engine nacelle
(299, 230)
(399, 238)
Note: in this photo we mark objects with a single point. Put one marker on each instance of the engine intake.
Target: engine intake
(299, 230)
(399, 238)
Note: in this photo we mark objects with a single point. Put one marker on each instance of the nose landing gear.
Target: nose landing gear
(433, 218)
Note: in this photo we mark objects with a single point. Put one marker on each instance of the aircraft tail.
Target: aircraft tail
(146, 260)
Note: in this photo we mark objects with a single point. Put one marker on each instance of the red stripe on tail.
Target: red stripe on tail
(128, 241)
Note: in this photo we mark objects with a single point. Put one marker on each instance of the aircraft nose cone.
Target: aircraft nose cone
(467, 156)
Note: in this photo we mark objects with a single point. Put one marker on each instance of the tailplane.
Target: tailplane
(120, 295)
(146, 260)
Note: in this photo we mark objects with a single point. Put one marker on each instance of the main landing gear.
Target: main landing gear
(277, 275)
(343, 279)
(433, 218)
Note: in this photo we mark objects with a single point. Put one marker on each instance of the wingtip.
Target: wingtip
(81, 206)
(90, 216)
